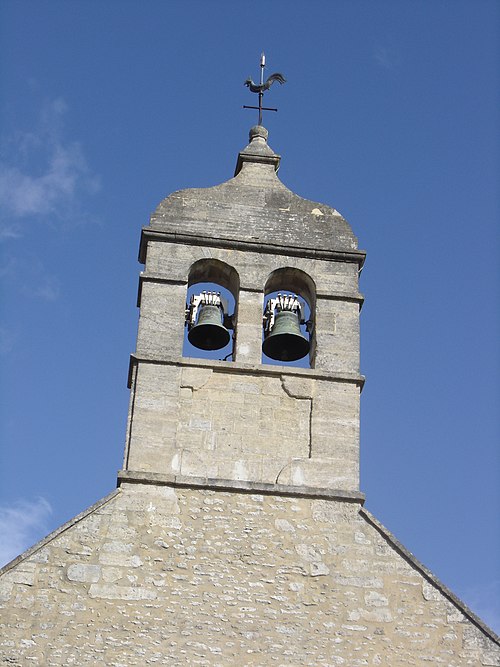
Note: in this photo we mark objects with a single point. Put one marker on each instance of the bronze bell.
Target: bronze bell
(209, 333)
(285, 341)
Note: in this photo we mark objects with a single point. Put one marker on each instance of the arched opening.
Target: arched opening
(289, 310)
(211, 310)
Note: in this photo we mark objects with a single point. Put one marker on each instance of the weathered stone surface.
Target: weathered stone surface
(83, 572)
(162, 303)
(237, 534)
(272, 213)
(258, 426)
(161, 324)
(236, 423)
(219, 578)
(245, 424)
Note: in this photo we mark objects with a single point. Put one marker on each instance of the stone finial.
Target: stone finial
(258, 133)
(258, 151)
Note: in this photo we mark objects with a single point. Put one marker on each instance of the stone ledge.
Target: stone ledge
(245, 369)
(271, 158)
(150, 233)
(238, 486)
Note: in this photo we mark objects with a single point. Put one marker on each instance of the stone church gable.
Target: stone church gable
(237, 534)
(170, 575)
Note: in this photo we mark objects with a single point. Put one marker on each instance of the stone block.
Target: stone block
(161, 320)
(84, 572)
(298, 387)
(319, 473)
(115, 592)
(195, 378)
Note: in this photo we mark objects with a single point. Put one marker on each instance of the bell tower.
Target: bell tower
(237, 534)
(291, 266)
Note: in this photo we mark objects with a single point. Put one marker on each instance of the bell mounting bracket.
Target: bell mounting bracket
(281, 302)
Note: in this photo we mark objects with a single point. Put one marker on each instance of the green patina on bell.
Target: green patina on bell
(286, 342)
(209, 333)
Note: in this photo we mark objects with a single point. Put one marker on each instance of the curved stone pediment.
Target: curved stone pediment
(254, 206)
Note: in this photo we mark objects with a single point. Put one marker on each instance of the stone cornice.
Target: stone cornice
(256, 158)
(152, 234)
(245, 369)
(238, 486)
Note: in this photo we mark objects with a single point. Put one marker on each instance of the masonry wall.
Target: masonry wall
(164, 289)
(160, 575)
(245, 420)
(214, 419)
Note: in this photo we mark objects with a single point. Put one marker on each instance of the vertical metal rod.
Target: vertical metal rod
(261, 94)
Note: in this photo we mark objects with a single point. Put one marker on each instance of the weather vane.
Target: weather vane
(262, 87)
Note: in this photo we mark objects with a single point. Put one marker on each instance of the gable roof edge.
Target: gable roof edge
(58, 531)
(427, 574)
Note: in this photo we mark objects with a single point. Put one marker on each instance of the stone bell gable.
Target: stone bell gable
(238, 533)
(244, 419)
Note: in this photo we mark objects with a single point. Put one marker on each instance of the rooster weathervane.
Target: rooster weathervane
(261, 87)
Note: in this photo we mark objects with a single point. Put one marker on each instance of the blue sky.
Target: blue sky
(389, 114)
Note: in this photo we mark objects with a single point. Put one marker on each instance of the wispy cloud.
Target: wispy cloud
(42, 173)
(7, 340)
(28, 273)
(47, 290)
(22, 524)
(385, 57)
